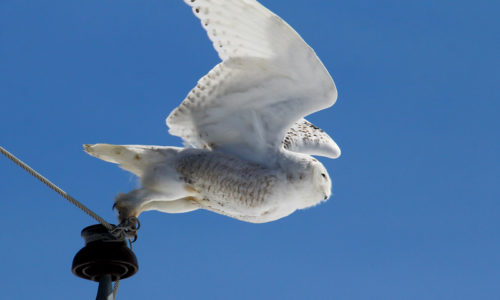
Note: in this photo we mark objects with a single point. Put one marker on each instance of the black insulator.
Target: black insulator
(103, 254)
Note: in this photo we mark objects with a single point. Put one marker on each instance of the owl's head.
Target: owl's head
(321, 180)
(315, 183)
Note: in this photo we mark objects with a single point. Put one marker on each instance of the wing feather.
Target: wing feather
(306, 138)
(268, 79)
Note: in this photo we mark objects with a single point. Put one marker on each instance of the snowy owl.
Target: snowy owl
(248, 147)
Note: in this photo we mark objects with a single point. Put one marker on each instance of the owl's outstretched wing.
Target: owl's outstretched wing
(269, 79)
(306, 138)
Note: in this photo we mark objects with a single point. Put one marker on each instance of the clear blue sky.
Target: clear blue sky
(415, 212)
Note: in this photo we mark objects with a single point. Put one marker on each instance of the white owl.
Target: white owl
(248, 153)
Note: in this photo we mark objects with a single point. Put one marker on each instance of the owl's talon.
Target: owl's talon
(127, 205)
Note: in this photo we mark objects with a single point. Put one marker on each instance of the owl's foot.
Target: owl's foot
(129, 205)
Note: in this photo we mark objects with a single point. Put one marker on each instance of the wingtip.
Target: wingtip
(336, 152)
(333, 150)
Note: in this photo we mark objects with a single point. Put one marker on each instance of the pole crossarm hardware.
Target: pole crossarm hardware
(105, 257)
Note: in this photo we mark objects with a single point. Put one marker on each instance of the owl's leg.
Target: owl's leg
(129, 204)
(137, 201)
(161, 184)
(133, 202)
(173, 207)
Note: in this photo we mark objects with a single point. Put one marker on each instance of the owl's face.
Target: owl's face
(315, 183)
(321, 180)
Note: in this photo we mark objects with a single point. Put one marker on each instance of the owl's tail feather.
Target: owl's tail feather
(133, 158)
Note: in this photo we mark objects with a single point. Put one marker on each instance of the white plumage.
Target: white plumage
(248, 154)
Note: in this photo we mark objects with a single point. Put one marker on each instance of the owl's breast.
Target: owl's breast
(234, 187)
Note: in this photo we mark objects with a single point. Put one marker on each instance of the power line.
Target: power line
(56, 189)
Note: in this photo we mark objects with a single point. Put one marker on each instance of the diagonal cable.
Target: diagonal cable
(56, 188)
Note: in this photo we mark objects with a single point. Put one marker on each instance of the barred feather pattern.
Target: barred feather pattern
(227, 184)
